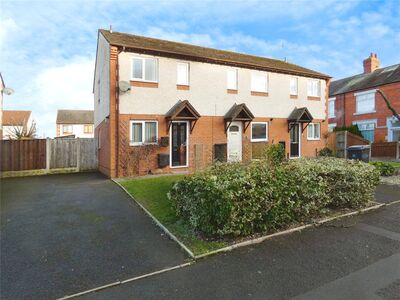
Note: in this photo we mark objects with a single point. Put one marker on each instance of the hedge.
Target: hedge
(233, 199)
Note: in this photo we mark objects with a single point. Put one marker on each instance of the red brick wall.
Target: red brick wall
(207, 132)
(102, 133)
(345, 108)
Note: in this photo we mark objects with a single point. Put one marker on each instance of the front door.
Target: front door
(295, 140)
(235, 142)
(179, 151)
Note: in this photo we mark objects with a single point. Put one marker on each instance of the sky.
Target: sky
(48, 48)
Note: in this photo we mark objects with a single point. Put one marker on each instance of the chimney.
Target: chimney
(371, 63)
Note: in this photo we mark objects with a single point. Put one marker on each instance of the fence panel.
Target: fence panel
(385, 150)
(63, 153)
(23, 155)
(88, 154)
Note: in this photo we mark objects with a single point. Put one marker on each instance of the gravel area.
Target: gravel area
(391, 180)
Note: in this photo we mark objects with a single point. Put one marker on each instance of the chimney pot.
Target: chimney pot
(371, 63)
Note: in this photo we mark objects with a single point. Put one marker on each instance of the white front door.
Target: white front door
(235, 142)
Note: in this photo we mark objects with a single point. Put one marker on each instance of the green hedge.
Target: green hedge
(385, 169)
(235, 199)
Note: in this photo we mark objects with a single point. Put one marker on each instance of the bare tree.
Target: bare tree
(388, 104)
(23, 132)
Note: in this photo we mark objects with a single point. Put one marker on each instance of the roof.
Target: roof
(16, 117)
(300, 115)
(65, 116)
(239, 112)
(182, 110)
(377, 78)
(198, 53)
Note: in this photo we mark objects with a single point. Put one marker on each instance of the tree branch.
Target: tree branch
(389, 105)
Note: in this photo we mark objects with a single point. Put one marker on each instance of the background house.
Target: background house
(354, 100)
(75, 123)
(163, 106)
(16, 119)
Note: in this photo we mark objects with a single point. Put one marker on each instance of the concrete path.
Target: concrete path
(61, 234)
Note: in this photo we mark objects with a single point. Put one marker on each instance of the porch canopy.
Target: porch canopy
(299, 116)
(238, 112)
(182, 111)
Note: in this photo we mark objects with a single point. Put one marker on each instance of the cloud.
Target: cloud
(7, 28)
(65, 87)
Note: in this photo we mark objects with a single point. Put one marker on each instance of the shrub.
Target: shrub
(351, 128)
(236, 199)
(327, 152)
(274, 154)
(385, 169)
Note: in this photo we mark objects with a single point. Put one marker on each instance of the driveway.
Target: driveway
(61, 234)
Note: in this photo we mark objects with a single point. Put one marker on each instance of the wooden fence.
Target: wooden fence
(48, 154)
(389, 150)
(339, 141)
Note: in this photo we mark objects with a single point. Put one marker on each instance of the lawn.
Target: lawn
(152, 194)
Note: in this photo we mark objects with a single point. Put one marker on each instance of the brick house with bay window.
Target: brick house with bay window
(354, 100)
(165, 107)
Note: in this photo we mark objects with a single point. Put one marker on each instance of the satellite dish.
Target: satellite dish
(124, 86)
(8, 91)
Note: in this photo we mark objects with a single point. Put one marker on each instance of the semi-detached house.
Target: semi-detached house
(165, 107)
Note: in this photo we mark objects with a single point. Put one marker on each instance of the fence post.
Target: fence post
(397, 150)
(78, 155)
(345, 144)
(48, 155)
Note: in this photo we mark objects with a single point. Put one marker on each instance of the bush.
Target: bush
(326, 152)
(385, 169)
(274, 154)
(236, 199)
(351, 128)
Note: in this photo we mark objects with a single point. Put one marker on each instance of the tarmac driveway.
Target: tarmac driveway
(61, 234)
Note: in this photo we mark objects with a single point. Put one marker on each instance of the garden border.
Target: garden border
(255, 240)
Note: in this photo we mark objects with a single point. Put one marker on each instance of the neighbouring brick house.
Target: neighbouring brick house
(75, 123)
(354, 100)
(165, 107)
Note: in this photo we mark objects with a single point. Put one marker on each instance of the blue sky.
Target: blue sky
(48, 47)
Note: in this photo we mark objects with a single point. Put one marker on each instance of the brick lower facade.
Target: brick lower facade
(345, 108)
(208, 131)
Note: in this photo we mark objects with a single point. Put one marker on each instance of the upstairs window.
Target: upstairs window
(259, 82)
(87, 128)
(314, 131)
(183, 74)
(293, 86)
(331, 108)
(143, 132)
(67, 128)
(145, 69)
(365, 102)
(314, 88)
(232, 83)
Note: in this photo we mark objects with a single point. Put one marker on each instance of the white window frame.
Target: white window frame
(310, 84)
(143, 59)
(297, 86)
(332, 114)
(266, 75)
(186, 64)
(313, 138)
(266, 135)
(68, 125)
(143, 122)
(331, 126)
(236, 79)
(363, 94)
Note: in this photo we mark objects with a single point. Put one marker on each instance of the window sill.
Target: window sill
(310, 139)
(314, 98)
(293, 97)
(259, 140)
(148, 84)
(364, 113)
(142, 144)
(182, 87)
(262, 94)
(230, 91)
